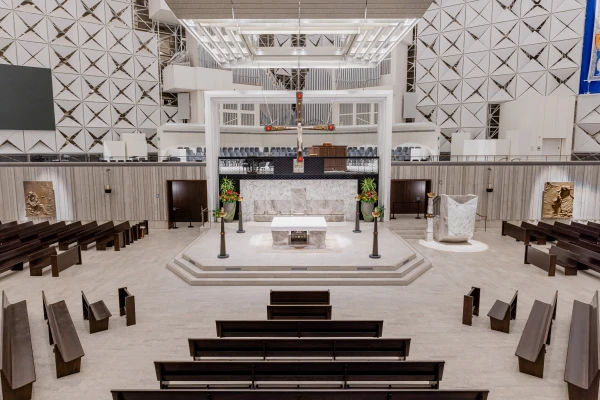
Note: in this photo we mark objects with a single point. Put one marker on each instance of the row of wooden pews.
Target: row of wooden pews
(582, 368)
(17, 363)
(37, 244)
(577, 245)
(295, 358)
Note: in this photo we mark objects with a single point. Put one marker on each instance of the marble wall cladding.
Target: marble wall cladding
(317, 197)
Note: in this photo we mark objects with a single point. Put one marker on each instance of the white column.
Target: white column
(429, 216)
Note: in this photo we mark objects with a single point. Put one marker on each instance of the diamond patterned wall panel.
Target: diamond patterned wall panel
(587, 131)
(8, 51)
(66, 9)
(7, 24)
(148, 116)
(11, 142)
(146, 69)
(40, 141)
(95, 137)
(123, 115)
(105, 74)
(509, 48)
(168, 115)
(70, 140)
(32, 54)
(30, 6)
(66, 86)
(151, 139)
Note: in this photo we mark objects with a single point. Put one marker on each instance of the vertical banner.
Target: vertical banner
(594, 70)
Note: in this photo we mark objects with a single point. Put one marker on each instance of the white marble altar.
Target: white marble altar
(331, 198)
(282, 227)
(456, 222)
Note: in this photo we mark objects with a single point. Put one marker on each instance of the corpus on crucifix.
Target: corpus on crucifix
(299, 127)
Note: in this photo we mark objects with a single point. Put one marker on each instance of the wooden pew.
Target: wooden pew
(291, 297)
(516, 232)
(114, 237)
(127, 306)
(97, 313)
(13, 260)
(11, 246)
(560, 233)
(300, 328)
(299, 348)
(146, 226)
(588, 259)
(407, 374)
(541, 234)
(8, 225)
(536, 336)
(12, 233)
(62, 334)
(502, 313)
(92, 235)
(584, 233)
(40, 260)
(18, 368)
(540, 259)
(471, 305)
(589, 227)
(65, 239)
(295, 394)
(583, 354)
(588, 245)
(565, 259)
(51, 235)
(308, 311)
(64, 260)
(36, 230)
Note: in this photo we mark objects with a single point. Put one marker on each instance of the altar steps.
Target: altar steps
(409, 228)
(194, 276)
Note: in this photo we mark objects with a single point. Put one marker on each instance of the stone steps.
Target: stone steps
(300, 278)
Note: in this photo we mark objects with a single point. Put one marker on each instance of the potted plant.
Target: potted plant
(229, 198)
(381, 209)
(368, 198)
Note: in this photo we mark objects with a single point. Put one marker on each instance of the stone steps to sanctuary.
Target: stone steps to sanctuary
(409, 228)
(298, 278)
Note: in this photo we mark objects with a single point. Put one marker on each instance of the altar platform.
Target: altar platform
(253, 260)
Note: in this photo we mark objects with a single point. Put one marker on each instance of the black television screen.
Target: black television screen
(26, 98)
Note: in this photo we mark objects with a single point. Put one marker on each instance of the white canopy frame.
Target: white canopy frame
(384, 127)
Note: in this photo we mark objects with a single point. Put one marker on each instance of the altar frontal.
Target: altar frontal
(299, 232)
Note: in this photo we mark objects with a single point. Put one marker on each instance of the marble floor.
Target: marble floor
(429, 311)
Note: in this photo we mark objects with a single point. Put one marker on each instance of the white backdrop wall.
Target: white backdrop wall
(105, 74)
(471, 53)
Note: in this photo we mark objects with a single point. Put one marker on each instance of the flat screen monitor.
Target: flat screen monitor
(26, 98)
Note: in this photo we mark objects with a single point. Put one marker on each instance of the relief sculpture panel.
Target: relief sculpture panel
(558, 200)
(39, 199)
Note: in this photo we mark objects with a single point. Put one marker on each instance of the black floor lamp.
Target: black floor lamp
(375, 253)
(222, 252)
(357, 220)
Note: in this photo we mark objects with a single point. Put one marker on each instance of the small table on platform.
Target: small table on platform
(308, 232)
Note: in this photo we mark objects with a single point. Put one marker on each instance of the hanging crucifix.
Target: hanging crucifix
(299, 161)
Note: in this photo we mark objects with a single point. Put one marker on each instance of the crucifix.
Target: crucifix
(299, 127)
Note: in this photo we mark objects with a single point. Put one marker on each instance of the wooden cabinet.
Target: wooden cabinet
(332, 164)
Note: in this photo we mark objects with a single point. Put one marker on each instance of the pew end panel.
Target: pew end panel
(565, 259)
(298, 297)
(127, 306)
(502, 313)
(540, 259)
(61, 262)
(471, 305)
(96, 313)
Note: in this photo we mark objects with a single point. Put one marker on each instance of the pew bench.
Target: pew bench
(18, 368)
(295, 394)
(542, 260)
(127, 306)
(584, 233)
(565, 259)
(581, 368)
(536, 336)
(297, 311)
(516, 232)
(502, 313)
(93, 234)
(40, 260)
(96, 313)
(299, 297)
(299, 328)
(299, 348)
(471, 305)
(66, 239)
(13, 260)
(560, 233)
(63, 335)
(588, 259)
(541, 234)
(287, 374)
